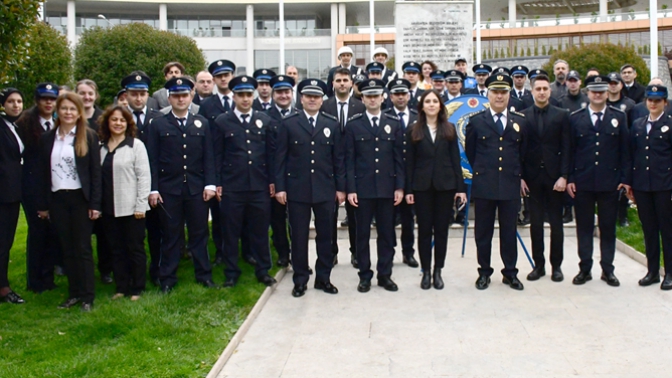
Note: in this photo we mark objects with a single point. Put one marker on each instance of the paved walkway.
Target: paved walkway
(548, 330)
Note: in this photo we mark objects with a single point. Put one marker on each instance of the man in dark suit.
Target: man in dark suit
(170, 70)
(310, 175)
(602, 165)
(264, 101)
(495, 146)
(345, 55)
(412, 74)
(181, 158)
(204, 84)
(343, 106)
(631, 88)
(404, 212)
(283, 88)
(375, 181)
(547, 165)
(244, 148)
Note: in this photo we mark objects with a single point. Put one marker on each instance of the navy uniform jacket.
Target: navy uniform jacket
(10, 165)
(374, 158)
(177, 155)
(256, 105)
(625, 105)
(601, 158)
(553, 147)
(142, 128)
(212, 107)
(497, 160)
(413, 100)
(244, 155)
(310, 163)
(412, 117)
(652, 154)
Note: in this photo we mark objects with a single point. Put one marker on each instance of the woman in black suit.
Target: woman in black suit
(433, 182)
(11, 149)
(70, 161)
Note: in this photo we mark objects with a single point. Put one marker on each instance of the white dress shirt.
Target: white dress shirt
(505, 116)
(63, 166)
(43, 121)
(379, 116)
(406, 116)
(650, 122)
(314, 117)
(593, 116)
(142, 116)
(432, 133)
(345, 109)
(239, 114)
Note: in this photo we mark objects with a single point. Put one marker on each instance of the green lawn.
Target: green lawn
(632, 235)
(177, 335)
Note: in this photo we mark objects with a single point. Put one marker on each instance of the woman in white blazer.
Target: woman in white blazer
(126, 184)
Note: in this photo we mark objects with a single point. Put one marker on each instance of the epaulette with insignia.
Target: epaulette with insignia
(290, 115)
(576, 111)
(354, 117)
(329, 116)
(617, 109)
(413, 111)
(391, 115)
(518, 113)
(479, 112)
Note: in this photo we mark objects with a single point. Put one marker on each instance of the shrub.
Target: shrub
(50, 59)
(17, 17)
(108, 55)
(606, 57)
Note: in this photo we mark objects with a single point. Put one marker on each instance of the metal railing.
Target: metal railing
(536, 21)
(305, 32)
(209, 32)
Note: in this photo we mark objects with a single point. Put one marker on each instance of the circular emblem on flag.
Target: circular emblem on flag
(138, 78)
(654, 89)
(387, 129)
(472, 102)
(259, 123)
(179, 82)
(281, 78)
(598, 79)
(314, 82)
(327, 132)
(48, 86)
(614, 122)
(198, 123)
(244, 79)
(219, 63)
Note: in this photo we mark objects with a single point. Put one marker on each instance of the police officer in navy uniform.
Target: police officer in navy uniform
(439, 82)
(310, 176)
(412, 74)
(137, 93)
(519, 76)
(651, 149)
(454, 84)
(404, 213)
(495, 145)
(374, 70)
(244, 149)
(482, 72)
(375, 181)
(181, 158)
(264, 101)
(515, 104)
(602, 167)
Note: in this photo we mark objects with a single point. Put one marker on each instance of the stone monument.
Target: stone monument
(440, 31)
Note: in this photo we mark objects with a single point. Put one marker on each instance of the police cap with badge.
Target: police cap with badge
(519, 71)
(243, 84)
(454, 76)
(46, 90)
(481, 69)
(411, 67)
(138, 82)
(399, 86)
(438, 75)
(656, 92)
(179, 85)
(615, 77)
(371, 87)
(280, 82)
(501, 71)
(375, 67)
(499, 82)
(573, 75)
(312, 87)
(263, 75)
(220, 67)
(535, 72)
(598, 83)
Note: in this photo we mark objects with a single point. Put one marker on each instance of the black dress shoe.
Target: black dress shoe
(667, 283)
(513, 282)
(69, 303)
(387, 284)
(87, 306)
(582, 278)
(536, 273)
(230, 282)
(165, 289)
(344, 223)
(482, 282)
(106, 279)
(524, 222)
(438, 281)
(298, 291)
(12, 297)
(364, 286)
(459, 219)
(250, 260)
(218, 261)
(426, 281)
(208, 284)
(649, 279)
(353, 261)
(282, 262)
(567, 216)
(557, 276)
(397, 220)
(327, 287)
(610, 279)
(267, 280)
(410, 261)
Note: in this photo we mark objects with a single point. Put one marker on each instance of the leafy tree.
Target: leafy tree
(16, 17)
(108, 55)
(50, 59)
(606, 57)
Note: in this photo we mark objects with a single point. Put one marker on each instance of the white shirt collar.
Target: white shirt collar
(504, 113)
(405, 111)
(601, 111)
(238, 114)
(289, 108)
(370, 116)
(43, 121)
(314, 116)
(655, 120)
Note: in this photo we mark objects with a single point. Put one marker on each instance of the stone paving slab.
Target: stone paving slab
(548, 330)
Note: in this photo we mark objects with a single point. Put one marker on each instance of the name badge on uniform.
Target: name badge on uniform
(387, 129)
(259, 123)
(664, 129)
(516, 127)
(327, 132)
(614, 122)
(198, 123)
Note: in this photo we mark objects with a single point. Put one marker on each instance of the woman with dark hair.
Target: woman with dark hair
(427, 67)
(43, 251)
(433, 182)
(126, 182)
(11, 148)
(71, 194)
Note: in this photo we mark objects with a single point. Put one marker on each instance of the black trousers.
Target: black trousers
(543, 199)
(607, 209)
(279, 227)
(9, 217)
(126, 241)
(69, 212)
(383, 210)
(407, 214)
(435, 211)
(216, 224)
(623, 204)
(655, 213)
(178, 209)
(507, 211)
(42, 248)
(255, 208)
(352, 228)
(299, 221)
(102, 249)
(153, 226)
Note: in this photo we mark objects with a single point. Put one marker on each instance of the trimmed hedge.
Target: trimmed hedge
(107, 55)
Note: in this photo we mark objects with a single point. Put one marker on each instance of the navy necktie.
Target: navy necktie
(182, 122)
(401, 120)
(137, 114)
(244, 117)
(265, 105)
(499, 123)
(375, 122)
(341, 116)
(598, 123)
(284, 112)
(311, 120)
(225, 103)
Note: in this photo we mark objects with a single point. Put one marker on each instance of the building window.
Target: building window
(310, 63)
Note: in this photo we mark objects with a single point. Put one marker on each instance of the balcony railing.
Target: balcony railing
(366, 29)
(294, 33)
(209, 33)
(571, 20)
